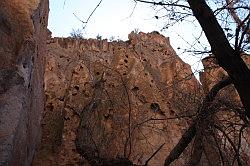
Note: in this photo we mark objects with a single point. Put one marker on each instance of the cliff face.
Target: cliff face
(115, 99)
(104, 100)
(23, 32)
(229, 111)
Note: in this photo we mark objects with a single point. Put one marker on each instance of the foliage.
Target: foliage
(136, 30)
(112, 38)
(99, 37)
(76, 34)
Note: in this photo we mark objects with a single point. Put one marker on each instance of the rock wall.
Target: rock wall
(115, 99)
(103, 99)
(229, 110)
(23, 35)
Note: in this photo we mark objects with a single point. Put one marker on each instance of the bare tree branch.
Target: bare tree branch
(231, 143)
(86, 22)
(228, 58)
(181, 146)
(163, 4)
(232, 11)
(202, 115)
(146, 163)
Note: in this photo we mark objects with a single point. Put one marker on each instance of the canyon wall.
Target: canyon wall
(229, 116)
(115, 100)
(125, 100)
(23, 35)
(103, 100)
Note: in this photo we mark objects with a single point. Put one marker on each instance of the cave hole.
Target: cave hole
(77, 87)
(155, 107)
(135, 88)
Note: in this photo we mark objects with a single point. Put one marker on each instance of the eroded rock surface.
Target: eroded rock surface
(105, 101)
(115, 99)
(23, 35)
(229, 117)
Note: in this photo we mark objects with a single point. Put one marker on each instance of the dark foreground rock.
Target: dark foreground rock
(23, 34)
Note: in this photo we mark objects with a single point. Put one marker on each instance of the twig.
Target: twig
(202, 115)
(163, 4)
(231, 143)
(133, 10)
(245, 31)
(181, 145)
(64, 3)
(86, 22)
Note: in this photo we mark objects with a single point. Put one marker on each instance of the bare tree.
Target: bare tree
(216, 18)
(215, 22)
(228, 55)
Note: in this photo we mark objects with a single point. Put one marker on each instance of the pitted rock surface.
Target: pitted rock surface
(117, 99)
(23, 36)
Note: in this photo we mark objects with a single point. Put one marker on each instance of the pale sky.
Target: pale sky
(112, 18)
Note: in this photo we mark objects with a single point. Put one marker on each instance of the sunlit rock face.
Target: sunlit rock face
(116, 99)
(23, 32)
(229, 107)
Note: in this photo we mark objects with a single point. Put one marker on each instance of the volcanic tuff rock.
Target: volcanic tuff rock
(104, 100)
(228, 103)
(213, 73)
(23, 32)
(115, 99)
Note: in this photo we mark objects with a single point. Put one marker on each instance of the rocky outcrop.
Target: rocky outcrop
(107, 103)
(23, 32)
(229, 117)
(115, 100)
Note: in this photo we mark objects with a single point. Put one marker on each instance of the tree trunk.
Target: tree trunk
(227, 57)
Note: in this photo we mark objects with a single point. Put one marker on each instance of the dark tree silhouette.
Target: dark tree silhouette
(228, 56)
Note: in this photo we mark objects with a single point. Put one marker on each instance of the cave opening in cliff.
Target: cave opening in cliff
(116, 105)
(97, 19)
(111, 85)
